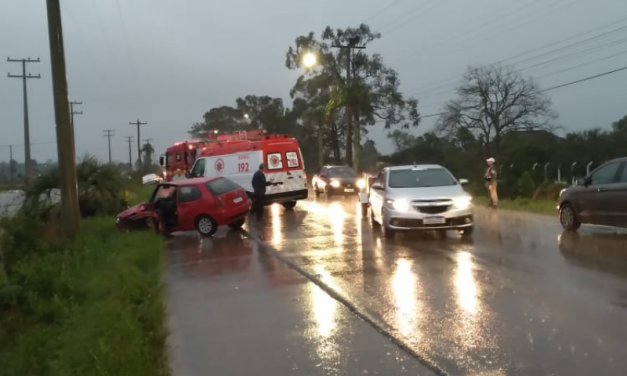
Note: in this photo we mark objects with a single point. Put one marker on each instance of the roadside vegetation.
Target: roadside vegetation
(91, 306)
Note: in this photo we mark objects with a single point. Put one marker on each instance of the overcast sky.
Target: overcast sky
(168, 62)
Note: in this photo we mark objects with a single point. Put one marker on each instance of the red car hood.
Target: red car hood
(134, 210)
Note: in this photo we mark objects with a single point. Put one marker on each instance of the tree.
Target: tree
(147, 151)
(359, 83)
(223, 119)
(250, 112)
(402, 140)
(494, 101)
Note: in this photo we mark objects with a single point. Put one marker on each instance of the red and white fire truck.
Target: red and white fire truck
(237, 156)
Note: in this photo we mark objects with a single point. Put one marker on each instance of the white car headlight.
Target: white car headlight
(400, 204)
(335, 183)
(462, 202)
(361, 184)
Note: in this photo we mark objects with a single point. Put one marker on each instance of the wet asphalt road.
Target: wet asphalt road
(520, 298)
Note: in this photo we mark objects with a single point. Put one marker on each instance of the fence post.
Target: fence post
(546, 174)
(572, 172)
(588, 168)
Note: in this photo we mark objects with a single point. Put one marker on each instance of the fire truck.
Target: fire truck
(179, 158)
(237, 156)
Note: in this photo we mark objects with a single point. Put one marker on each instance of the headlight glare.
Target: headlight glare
(335, 183)
(400, 204)
(361, 184)
(462, 202)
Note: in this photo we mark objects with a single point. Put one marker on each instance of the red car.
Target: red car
(202, 204)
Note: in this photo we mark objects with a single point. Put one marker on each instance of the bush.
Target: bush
(100, 190)
(92, 306)
(549, 191)
(525, 186)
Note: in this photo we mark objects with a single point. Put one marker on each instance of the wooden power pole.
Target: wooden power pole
(108, 134)
(139, 147)
(70, 211)
(352, 45)
(129, 140)
(25, 77)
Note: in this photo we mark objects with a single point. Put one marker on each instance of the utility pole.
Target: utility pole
(72, 112)
(70, 212)
(10, 163)
(129, 140)
(108, 134)
(24, 77)
(139, 148)
(352, 45)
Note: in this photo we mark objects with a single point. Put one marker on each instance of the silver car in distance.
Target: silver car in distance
(420, 197)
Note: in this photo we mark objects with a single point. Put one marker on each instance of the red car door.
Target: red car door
(189, 207)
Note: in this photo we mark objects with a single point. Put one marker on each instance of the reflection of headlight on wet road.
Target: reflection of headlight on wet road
(335, 183)
(361, 184)
(462, 202)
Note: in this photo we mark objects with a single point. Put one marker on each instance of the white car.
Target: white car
(420, 197)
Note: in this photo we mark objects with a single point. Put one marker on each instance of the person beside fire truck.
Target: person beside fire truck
(259, 187)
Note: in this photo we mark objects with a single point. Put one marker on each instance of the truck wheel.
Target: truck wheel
(237, 224)
(206, 225)
(289, 205)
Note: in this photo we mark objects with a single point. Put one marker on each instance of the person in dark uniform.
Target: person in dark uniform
(490, 182)
(259, 188)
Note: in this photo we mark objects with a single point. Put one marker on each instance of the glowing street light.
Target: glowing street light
(309, 60)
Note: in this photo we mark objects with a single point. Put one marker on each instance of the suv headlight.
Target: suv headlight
(462, 202)
(335, 183)
(399, 205)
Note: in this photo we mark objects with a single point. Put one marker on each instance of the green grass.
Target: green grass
(91, 307)
(523, 204)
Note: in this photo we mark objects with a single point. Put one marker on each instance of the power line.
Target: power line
(554, 87)
(25, 77)
(409, 13)
(584, 79)
(382, 10)
(448, 87)
(440, 83)
(32, 143)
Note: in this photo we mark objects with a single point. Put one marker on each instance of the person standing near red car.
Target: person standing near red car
(259, 187)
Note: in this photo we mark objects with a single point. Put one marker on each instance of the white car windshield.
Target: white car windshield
(430, 177)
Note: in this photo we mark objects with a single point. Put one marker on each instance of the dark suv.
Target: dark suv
(599, 198)
(337, 180)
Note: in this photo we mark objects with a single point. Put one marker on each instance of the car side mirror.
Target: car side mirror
(377, 186)
(584, 181)
(463, 181)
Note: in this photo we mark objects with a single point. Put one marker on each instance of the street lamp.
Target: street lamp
(309, 60)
